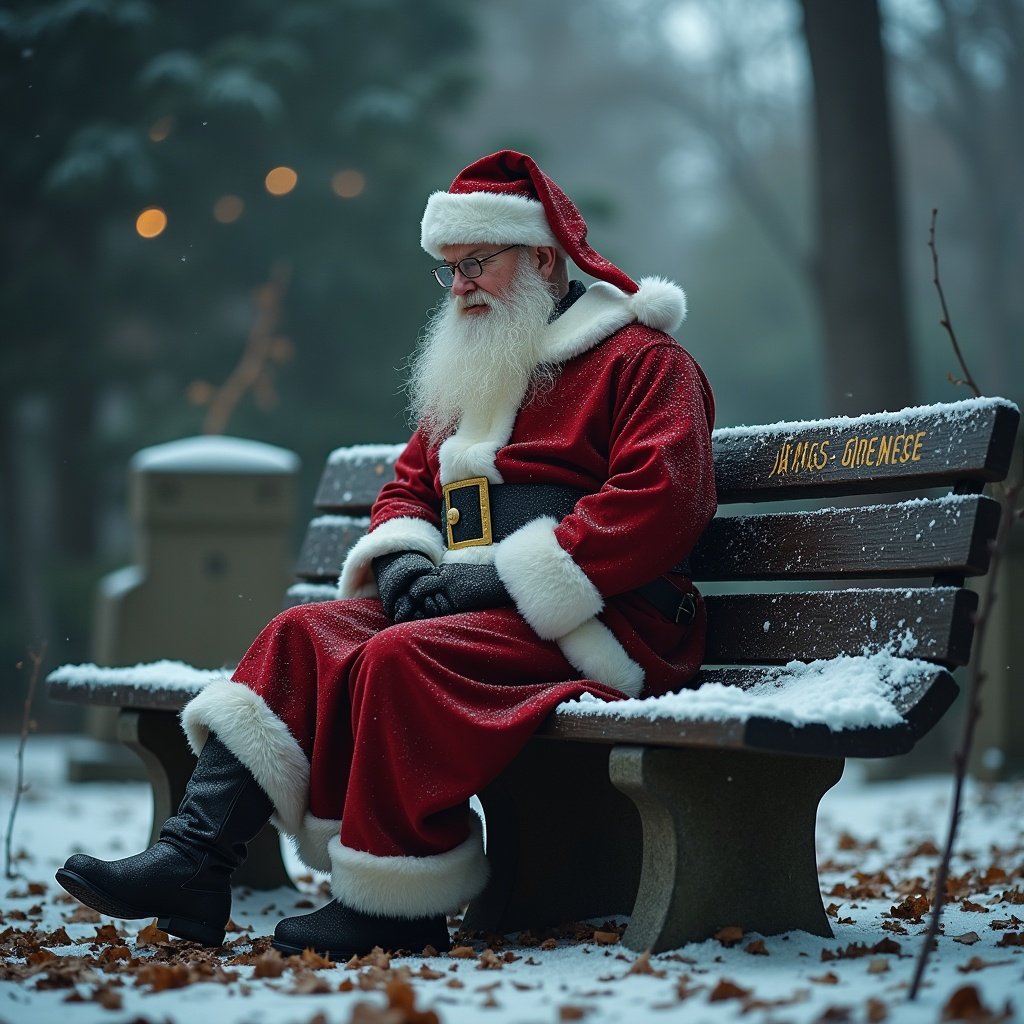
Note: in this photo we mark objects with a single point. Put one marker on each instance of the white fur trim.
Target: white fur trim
(312, 840)
(549, 589)
(244, 723)
(482, 554)
(659, 304)
(403, 534)
(598, 313)
(485, 217)
(594, 650)
(595, 315)
(471, 450)
(409, 886)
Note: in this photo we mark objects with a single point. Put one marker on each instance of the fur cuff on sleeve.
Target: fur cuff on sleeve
(403, 534)
(549, 589)
(594, 650)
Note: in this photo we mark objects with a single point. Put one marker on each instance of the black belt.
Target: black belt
(676, 605)
(477, 513)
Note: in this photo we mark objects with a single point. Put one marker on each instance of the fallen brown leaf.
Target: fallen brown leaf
(965, 1004)
(977, 964)
(489, 961)
(375, 958)
(833, 1015)
(161, 977)
(152, 936)
(269, 965)
(1011, 896)
(726, 989)
(107, 934)
(877, 1011)
(573, 1012)
(307, 983)
(642, 965)
(973, 908)
(913, 908)
(315, 962)
(967, 939)
(1001, 923)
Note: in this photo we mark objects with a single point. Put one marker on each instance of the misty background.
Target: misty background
(780, 160)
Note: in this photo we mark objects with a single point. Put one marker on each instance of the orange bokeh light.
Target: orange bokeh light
(151, 222)
(161, 128)
(280, 181)
(228, 209)
(348, 183)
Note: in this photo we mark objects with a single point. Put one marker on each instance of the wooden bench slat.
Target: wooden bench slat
(963, 441)
(134, 695)
(327, 541)
(772, 629)
(874, 541)
(913, 538)
(914, 449)
(816, 624)
(353, 476)
(921, 701)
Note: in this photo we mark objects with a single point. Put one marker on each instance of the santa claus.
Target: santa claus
(531, 549)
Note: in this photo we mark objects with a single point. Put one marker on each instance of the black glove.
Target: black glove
(395, 575)
(458, 588)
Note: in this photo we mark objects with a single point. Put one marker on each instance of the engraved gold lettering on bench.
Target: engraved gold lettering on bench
(812, 456)
(800, 457)
(883, 450)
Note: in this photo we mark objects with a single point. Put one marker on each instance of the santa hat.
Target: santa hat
(506, 199)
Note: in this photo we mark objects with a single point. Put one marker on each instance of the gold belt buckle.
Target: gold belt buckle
(452, 514)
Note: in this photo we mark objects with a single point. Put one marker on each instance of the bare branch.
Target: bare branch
(26, 726)
(261, 347)
(946, 322)
(1013, 508)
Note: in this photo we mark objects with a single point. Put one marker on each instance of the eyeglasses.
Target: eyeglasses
(470, 267)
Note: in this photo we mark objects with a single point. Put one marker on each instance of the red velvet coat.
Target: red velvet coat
(629, 420)
(385, 730)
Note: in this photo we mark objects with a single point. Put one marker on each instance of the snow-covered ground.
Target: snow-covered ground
(877, 842)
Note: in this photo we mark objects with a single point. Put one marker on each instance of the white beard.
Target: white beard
(472, 364)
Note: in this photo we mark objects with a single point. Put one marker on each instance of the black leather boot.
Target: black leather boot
(339, 933)
(184, 878)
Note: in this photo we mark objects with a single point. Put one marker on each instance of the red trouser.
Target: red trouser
(397, 721)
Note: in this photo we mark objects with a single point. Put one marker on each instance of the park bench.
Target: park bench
(697, 811)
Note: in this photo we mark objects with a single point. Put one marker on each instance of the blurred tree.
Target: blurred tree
(959, 68)
(114, 107)
(858, 264)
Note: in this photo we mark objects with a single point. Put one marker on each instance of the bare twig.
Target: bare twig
(962, 757)
(26, 725)
(262, 347)
(946, 322)
(1013, 508)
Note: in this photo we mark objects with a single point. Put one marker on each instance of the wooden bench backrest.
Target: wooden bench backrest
(910, 552)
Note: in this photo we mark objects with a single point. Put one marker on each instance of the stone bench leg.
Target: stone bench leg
(156, 737)
(562, 843)
(728, 839)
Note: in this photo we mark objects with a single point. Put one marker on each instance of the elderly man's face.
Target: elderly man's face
(495, 280)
